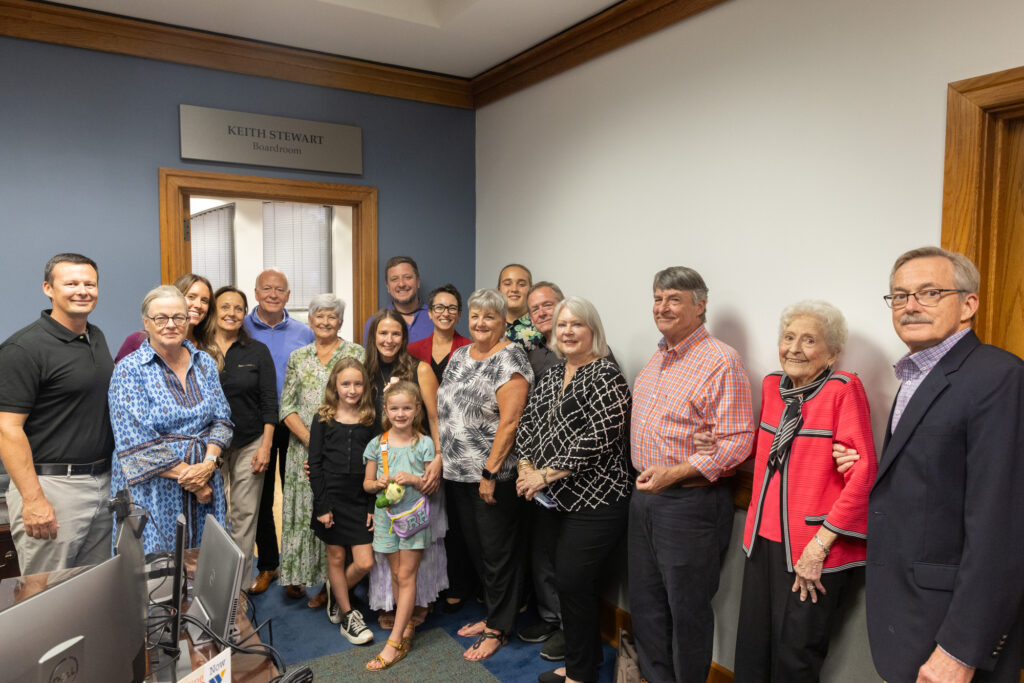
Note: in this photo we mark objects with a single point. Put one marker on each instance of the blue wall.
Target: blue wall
(85, 132)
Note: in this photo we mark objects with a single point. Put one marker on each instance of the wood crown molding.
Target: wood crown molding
(121, 35)
(617, 26)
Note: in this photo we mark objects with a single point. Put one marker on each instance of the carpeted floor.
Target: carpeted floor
(435, 658)
(307, 636)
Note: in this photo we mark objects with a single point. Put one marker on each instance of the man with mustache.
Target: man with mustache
(55, 435)
(945, 562)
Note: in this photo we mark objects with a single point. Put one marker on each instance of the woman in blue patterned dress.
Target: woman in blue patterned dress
(171, 422)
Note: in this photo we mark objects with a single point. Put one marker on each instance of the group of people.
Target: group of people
(516, 460)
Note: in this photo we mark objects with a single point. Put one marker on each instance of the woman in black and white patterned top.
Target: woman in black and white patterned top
(479, 402)
(572, 447)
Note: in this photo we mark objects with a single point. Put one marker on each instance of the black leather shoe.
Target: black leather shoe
(537, 633)
(554, 649)
(550, 677)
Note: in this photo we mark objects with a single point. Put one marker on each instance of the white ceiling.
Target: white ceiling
(455, 37)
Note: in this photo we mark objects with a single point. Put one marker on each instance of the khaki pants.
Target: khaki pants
(242, 489)
(84, 524)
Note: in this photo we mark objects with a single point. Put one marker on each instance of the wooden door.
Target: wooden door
(983, 197)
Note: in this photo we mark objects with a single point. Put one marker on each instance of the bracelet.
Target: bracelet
(544, 474)
(823, 546)
(523, 464)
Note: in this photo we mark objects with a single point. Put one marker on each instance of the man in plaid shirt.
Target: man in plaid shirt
(680, 516)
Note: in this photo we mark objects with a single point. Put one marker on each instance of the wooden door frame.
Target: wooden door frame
(977, 112)
(176, 186)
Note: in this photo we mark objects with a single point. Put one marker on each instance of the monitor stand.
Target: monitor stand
(169, 669)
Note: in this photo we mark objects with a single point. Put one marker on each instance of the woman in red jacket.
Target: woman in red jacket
(806, 525)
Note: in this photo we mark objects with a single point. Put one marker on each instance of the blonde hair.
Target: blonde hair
(326, 411)
(404, 386)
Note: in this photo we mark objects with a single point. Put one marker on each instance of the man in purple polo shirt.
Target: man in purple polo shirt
(402, 277)
(270, 323)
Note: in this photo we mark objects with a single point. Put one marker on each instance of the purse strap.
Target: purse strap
(384, 451)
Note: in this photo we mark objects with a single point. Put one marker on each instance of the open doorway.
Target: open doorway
(353, 209)
(234, 239)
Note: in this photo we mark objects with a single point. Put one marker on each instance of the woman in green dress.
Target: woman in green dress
(303, 556)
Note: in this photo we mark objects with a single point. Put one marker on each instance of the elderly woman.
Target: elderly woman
(444, 307)
(303, 556)
(479, 404)
(249, 381)
(198, 295)
(806, 525)
(388, 360)
(572, 446)
(171, 422)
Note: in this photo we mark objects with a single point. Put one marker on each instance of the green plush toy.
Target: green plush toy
(391, 494)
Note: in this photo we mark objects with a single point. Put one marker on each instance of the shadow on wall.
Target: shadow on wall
(866, 358)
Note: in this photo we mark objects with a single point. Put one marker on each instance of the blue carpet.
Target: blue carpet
(301, 634)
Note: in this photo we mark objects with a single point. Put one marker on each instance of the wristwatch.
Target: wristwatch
(487, 474)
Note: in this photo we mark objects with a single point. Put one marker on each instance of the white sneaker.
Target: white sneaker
(353, 627)
(334, 614)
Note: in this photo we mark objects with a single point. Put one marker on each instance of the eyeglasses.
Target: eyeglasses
(925, 297)
(162, 320)
(438, 309)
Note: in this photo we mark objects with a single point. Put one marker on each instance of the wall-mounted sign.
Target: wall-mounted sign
(241, 138)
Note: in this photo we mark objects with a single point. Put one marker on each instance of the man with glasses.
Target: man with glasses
(402, 279)
(269, 322)
(945, 572)
(55, 435)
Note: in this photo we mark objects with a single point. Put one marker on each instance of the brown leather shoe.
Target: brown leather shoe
(262, 582)
(295, 591)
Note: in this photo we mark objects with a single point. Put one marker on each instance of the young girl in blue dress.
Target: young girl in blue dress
(342, 509)
(399, 455)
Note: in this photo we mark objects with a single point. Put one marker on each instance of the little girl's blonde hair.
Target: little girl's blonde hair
(330, 402)
(404, 386)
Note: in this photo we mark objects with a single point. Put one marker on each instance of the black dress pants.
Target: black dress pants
(781, 639)
(585, 541)
(266, 531)
(492, 538)
(677, 541)
(463, 581)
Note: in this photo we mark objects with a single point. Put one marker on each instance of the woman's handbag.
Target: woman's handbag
(410, 515)
(627, 668)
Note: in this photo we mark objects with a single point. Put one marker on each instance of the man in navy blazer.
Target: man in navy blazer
(945, 557)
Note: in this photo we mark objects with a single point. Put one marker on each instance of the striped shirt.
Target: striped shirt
(699, 384)
(914, 367)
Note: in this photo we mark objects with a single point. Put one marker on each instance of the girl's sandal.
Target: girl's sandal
(481, 639)
(402, 651)
(408, 634)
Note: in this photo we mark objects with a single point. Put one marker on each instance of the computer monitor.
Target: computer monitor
(217, 582)
(81, 623)
(170, 659)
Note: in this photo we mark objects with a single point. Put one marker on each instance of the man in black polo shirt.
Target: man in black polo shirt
(55, 436)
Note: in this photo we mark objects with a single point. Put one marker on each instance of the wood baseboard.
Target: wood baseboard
(613, 619)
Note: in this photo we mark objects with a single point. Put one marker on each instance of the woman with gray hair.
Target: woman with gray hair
(572, 446)
(171, 422)
(806, 525)
(303, 556)
(479, 402)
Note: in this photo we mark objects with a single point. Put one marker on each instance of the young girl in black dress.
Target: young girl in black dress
(342, 510)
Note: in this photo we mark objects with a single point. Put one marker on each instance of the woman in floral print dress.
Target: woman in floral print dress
(303, 556)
